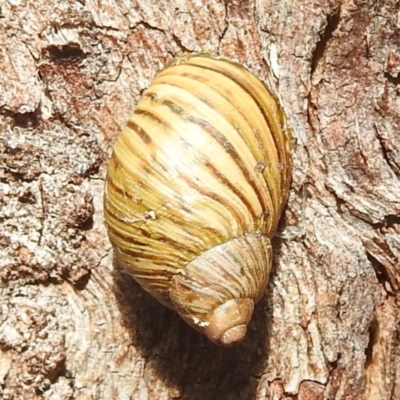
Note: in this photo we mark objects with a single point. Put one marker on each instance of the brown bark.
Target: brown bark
(73, 327)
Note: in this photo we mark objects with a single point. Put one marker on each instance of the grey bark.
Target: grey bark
(72, 326)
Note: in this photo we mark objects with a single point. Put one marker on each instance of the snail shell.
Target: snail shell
(196, 186)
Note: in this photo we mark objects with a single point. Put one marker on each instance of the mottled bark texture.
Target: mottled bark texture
(73, 327)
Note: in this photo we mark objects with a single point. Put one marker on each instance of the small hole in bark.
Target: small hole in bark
(380, 270)
(372, 339)
(70, 52)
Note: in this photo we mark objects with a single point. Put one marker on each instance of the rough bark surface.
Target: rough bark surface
(72, 326)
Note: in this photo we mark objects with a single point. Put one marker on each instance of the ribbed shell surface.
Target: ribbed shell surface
(205, 158)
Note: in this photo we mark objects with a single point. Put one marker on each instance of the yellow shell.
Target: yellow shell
(195, 189)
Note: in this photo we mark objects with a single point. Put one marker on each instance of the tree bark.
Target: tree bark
(73, 326)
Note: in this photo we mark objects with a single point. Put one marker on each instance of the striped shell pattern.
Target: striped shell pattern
(195, 189)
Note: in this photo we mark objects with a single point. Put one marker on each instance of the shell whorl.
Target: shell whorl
(218, 289)
(201, 171)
